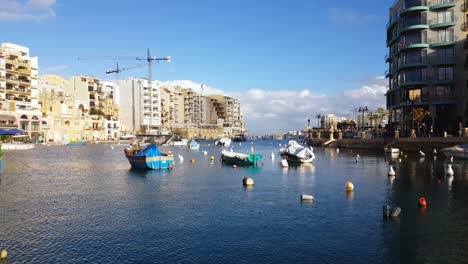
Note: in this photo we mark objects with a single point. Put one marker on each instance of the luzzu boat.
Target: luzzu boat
(76, 143)
(149, 158)
(457, 151)
(240, 159)
(193, 145)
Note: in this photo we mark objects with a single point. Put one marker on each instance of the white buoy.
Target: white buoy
(451, 159)
(205, 153)
(449, 170)
(112, 147)
(252, 150)
(391, 172)
(422, 154)
(231, 149)
(272, 156)
(357, 158)
(279, 144)
(181, 158)
(435, 152)
(306, 197)
(248, 182)
(284, 163)
(337, 150)
(399, 160)
(240, 143)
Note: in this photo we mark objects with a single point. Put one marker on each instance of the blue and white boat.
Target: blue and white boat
(193, 145)
(149, 158)
(76, 143)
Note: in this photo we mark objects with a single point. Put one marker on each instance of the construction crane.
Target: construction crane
(150, 60)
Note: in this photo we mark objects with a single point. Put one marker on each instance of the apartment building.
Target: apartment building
(19, 87)
(427, 42)
(172, 108)
(140, 106)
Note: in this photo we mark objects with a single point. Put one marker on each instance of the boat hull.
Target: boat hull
(153, 163)
(295, 159)
(76, 144)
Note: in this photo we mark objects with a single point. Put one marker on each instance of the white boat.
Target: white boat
(17, 146)
(223, 142)
(457, 151)
(179, 143)
(193, 145)
(392, 150)
(127, 137)
(296, 153)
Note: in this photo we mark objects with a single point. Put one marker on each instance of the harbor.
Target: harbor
(86, 204)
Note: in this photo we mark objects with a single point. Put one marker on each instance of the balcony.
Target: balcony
(442, 41)
(464, 26)
(414, 82)
(414, 6)
(413, 44)
(392, 21)
(441, 4)
(413, 62)
(414, 24)
(24, 71)
(442, 23)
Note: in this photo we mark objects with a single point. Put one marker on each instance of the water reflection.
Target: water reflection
(349, 196)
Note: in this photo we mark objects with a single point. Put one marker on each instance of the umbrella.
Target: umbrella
(11, 132)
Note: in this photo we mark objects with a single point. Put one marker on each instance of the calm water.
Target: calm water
(84, 205)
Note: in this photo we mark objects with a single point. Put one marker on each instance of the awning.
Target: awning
(6, 117)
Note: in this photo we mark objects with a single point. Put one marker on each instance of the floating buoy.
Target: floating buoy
(435, 152)
(349, 186)
(212, 158)
(279, 144)
(252, 149)
(399, 160)
(169, 153)
(406, 156)
(248, 182)
(240, 143)
(422, 154)
(192, 160)
(422, 202)
(112, 147)
(272, 156)
(391, 172)
(234, 166)
(205, 153)
(306, 197)
(451, 159)
(4, 254)
(284, 163)
(449, 170)
(181, 158)
(357, 158)
(337, 150)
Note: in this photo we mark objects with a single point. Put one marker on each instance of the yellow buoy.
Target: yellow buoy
(212, 158)
(349, 186)
(192, 160)
(4, 254)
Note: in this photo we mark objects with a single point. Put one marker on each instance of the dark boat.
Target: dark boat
(239, 138)
(240, 159)
(149, 158)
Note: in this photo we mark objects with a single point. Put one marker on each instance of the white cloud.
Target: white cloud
(54, 69)
(187, 84)
(32, 10)
(348, 16)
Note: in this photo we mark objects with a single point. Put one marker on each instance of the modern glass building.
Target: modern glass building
(427, 61)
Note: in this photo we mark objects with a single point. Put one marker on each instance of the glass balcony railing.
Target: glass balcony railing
(442, 22)
(436, 4)
(413, 61)
(442, 40)
(409, 4)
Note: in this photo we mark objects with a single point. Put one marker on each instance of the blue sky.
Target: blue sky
(327, 47)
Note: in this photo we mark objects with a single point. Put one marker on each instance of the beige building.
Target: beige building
(172, 108)
(19, 87)
(427, 63)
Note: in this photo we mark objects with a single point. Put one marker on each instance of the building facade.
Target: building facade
(427, 64)
(19, 87)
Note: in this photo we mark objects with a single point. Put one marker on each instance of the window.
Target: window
(415, 95)
(444, 16)
(445, 55)
(445, 73)
(445, 35)
(444, 91)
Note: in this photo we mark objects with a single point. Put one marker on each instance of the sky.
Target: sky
(285, 60)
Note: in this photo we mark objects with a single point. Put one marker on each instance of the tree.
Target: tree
(418, 115)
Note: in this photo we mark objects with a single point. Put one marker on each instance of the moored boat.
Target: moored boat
(179, 143)
(149, 158)
(223, 142)
(193, 145)
(239, 138)
(392, 150)
(457, 151)
(240, 159)
(296, 153)
(76, 143)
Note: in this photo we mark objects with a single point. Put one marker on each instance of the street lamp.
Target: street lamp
(363, 109)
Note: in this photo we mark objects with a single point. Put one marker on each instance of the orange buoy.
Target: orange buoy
(422, 202)
(349, 186)
(192, 160)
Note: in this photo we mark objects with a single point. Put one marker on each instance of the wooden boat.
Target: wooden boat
(76, 143)
(296, 153)
(149, 158)
(193, 145)
(240, 159)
